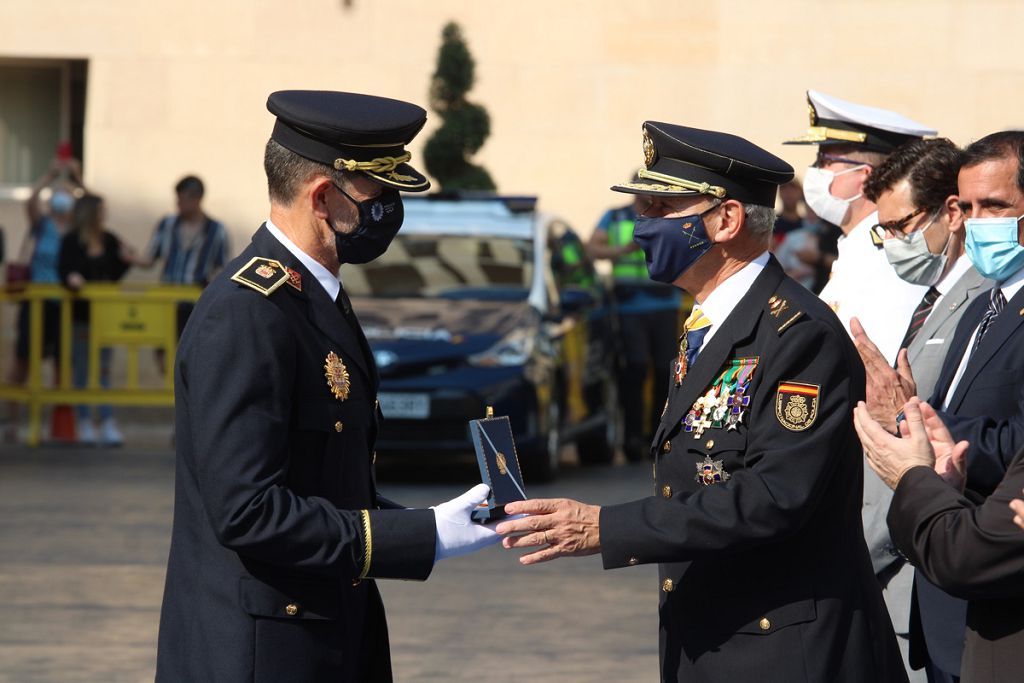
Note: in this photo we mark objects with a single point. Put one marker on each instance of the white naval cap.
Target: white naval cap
(835, 121)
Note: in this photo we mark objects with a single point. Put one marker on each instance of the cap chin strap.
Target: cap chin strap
(378, 165)
(702, 188)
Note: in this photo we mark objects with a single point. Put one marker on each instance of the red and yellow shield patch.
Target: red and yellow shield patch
(796, 405)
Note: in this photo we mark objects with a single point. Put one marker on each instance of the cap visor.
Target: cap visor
(652, 188)
(404, 177)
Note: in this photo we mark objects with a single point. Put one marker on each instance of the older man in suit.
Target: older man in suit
(915, 189)
(968, 547)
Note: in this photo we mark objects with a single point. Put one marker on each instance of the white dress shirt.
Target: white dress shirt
(865, 286)
(1010, 287)
(724, 298)
(330, 283)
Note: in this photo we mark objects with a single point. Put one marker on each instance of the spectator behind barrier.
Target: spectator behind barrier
(193, 246)
(36, 262)
(90, 253)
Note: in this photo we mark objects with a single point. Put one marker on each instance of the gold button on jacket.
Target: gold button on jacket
(338, 426)
(291, 609)
(666, 491)
(668, 585)
(666, 447)
(764, 624)
(633, 561)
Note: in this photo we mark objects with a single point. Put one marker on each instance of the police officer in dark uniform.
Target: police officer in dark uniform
(278, 527)
(755, 519)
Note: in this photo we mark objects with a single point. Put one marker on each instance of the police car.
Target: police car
(485, 302)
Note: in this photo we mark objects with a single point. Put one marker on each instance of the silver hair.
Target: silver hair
(760, 220)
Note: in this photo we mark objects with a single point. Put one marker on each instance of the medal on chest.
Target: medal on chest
(726, 401)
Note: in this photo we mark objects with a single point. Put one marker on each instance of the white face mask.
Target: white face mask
(912, 260)
(817, 182)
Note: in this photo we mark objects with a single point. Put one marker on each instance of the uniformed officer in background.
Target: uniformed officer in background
(648, 323)
(278, 526)
(755, 519)
(852, 141)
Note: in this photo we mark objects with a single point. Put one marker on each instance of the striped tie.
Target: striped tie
(920, 315)
(996, 301)
(695, 329)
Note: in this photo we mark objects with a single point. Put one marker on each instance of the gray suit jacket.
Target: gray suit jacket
(926, 354)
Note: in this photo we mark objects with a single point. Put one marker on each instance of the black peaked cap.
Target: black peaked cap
(681, 161)
(362, 133)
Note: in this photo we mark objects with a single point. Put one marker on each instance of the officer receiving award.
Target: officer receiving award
(499, 465)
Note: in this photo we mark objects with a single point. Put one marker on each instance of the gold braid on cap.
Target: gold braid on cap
(378, 165)
(702, 188)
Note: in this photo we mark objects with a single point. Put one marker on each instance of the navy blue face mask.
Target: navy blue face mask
(672, 245)
(380, 218)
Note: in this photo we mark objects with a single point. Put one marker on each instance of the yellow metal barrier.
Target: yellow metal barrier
(130, 316)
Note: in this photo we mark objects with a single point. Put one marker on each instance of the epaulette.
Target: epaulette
(264, 275)
(781, 313)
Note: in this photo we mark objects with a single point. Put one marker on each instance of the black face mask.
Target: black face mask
(379, 221)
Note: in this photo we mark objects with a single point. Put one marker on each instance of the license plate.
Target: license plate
(407, 406)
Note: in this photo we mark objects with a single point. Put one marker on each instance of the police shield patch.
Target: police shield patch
(796, 405)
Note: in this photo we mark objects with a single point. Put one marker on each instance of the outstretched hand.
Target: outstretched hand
(559, 526)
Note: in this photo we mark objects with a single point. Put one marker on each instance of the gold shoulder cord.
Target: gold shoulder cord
(368, 543)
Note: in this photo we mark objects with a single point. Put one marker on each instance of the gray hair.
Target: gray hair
(760, 220)
(286, 171)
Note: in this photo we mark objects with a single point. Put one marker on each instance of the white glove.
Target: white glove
(457, 534)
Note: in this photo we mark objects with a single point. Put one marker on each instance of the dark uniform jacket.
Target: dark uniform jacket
(755, 521)
(277, 522)
(972, 550)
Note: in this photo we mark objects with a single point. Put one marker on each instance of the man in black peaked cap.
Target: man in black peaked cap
(279, 531)
(755, 519)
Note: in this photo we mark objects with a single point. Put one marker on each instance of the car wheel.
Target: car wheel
(598, 447)
(545, 457)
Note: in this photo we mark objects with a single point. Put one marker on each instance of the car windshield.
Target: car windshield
(446, 266)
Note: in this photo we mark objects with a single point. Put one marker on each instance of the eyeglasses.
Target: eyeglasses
(824, 159)
(896, 228)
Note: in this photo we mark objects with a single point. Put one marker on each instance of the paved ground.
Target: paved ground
(83, 544)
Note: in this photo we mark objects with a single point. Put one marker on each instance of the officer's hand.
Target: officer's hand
(890, 456)
(887, 389)
(457, 534)
(565, 527)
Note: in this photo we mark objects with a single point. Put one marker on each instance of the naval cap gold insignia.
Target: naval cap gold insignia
(337, 376)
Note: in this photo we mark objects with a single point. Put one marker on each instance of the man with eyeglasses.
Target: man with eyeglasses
(852, 141)
(915, 189)
(978, 391)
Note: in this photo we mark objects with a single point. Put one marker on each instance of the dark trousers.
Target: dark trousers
(647, 340)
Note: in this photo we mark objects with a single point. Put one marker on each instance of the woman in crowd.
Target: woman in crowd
(88, 254)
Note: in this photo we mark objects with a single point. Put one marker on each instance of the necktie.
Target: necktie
(996, 301)
(344, 305)
(920, 315)
(695, 329)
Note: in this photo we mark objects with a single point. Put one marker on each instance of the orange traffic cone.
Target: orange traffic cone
(62, 424)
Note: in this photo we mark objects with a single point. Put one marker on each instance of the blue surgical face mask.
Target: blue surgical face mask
(993, 246)
(672, 245)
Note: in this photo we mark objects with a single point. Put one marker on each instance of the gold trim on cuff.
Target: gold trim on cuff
(367, 544)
